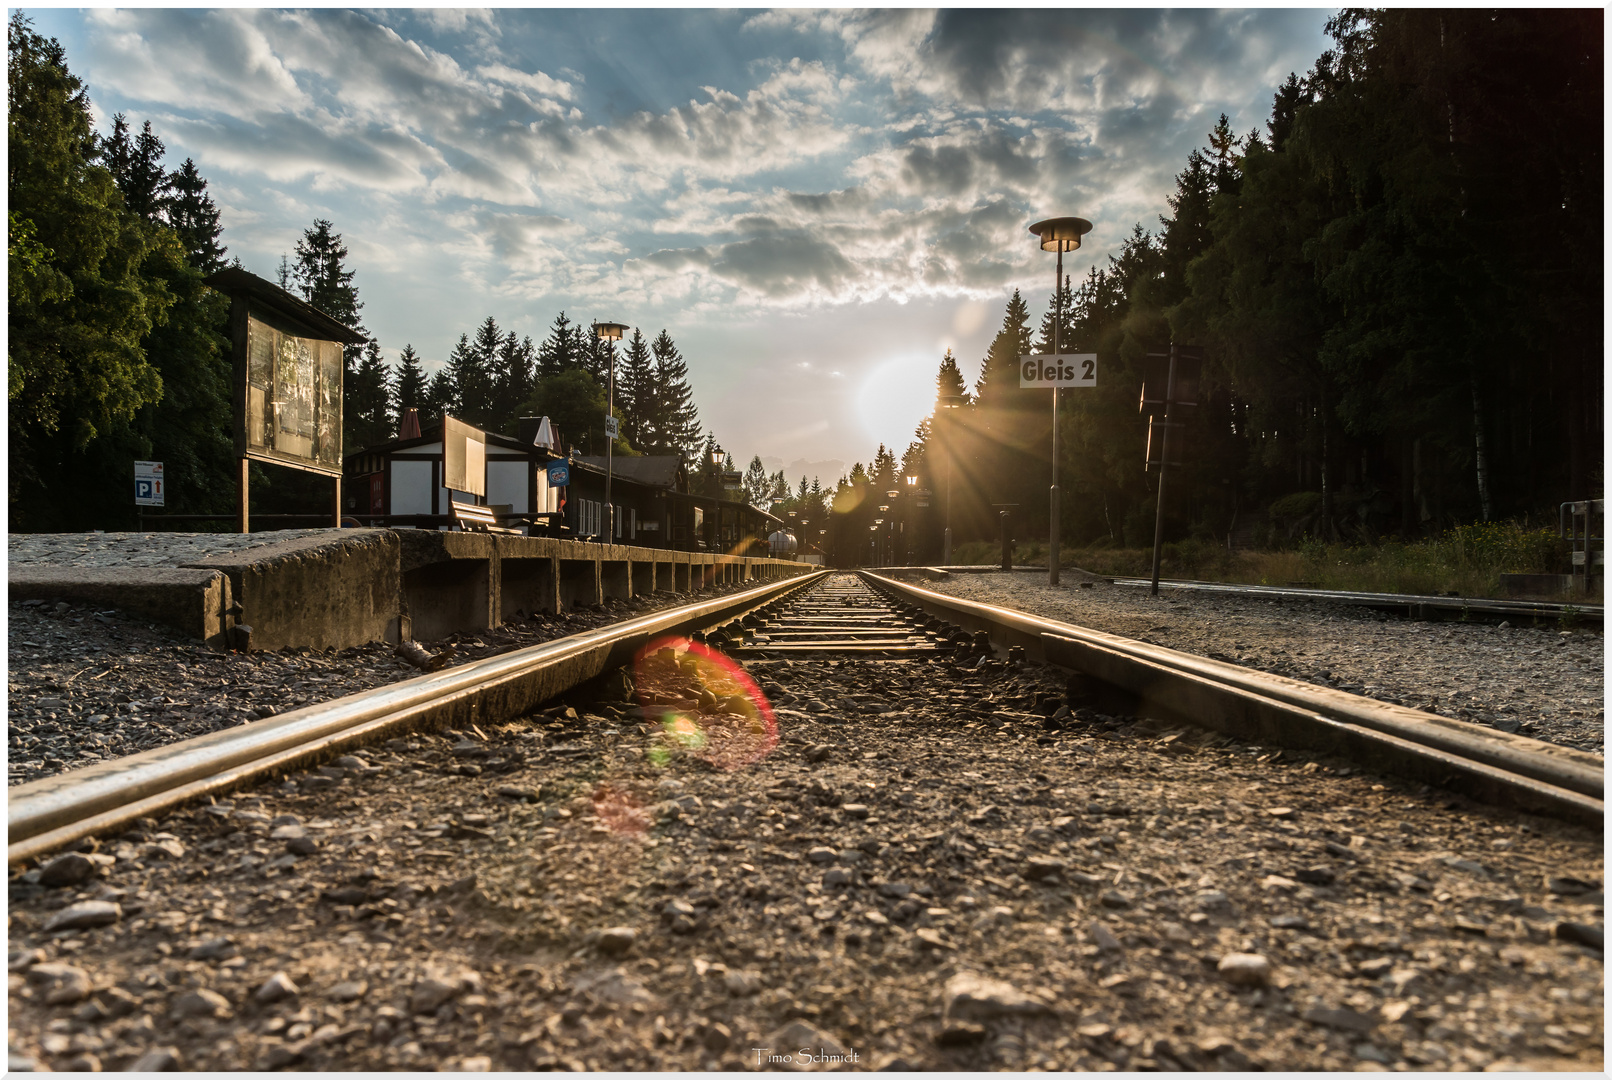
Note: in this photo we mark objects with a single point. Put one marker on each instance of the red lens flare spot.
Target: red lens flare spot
(712, 708)
(620, 810)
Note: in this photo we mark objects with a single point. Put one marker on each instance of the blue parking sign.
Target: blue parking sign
(148, 483)
(559, 474)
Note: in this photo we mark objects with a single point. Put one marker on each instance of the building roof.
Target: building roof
(655, 471)
(234, 281)
(432, 433)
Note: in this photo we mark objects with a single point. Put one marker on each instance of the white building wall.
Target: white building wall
(411, 487)
(506, 482)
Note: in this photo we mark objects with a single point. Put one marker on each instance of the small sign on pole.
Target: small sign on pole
(1038, 370)
(148, 483)
(612, 428)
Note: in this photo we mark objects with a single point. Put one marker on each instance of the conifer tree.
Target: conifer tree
(439, 398)
(635, 391)
(368, 419)
(409, 387)
(513, 382)
(559, 350)
(191, 213)
(676, 420)
(756, 484)
(460, 371)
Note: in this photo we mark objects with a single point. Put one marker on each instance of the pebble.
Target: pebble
(900, 890)
(616, 940)
(69, 869)
(838, 876)
(201, 1002)
(212, 949)
(742, 983)
(63, 983)
(348, 991)
(1043, 868)
(1289, 922)
(1341, 1018)
(854, 810)
(960, 1033)
(1104, 938)
(1115, 899)
(823, 855)
(1245, 969)
(83, 915)
(161, 1059)
(278, 986)
(430, 993)
(968, 996)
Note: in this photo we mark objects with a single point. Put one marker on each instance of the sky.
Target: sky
(815, 205)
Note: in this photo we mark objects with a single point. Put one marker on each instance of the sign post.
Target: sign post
(148, 489)
(1171, 381)
(1055, 371)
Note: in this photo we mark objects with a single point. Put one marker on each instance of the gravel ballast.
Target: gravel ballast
(1542, 682)
(88, 683)
(936, 868)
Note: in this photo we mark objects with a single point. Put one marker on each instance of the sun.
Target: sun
(895, 397)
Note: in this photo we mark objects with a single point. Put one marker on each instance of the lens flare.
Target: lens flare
(709, 707)
(620, 810)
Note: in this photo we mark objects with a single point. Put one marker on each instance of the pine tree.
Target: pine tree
(136, 166)
(635, 391)
(475, 374)
(676, 420)
(439, 398)
(368, 420)
(999, 375)
(321, 276)
(513, 382)
(191, 213)
(756, 484)
(559, 350)
(461, 370)
(409, 387)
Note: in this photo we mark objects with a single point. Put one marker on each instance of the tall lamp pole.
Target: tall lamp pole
(610, 331)
(1060, 235)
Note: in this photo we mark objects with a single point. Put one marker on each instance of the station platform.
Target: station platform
(337, 588)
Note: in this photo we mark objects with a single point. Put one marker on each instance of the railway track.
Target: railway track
(849, 814)
(1410, 606)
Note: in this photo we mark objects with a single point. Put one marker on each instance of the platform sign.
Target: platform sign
(559, 474)
(612, 428)
(148, 483)
(1047, 370)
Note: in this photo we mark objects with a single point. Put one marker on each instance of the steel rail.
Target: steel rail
(1416, 605)
(1492, 765)
(49, 813)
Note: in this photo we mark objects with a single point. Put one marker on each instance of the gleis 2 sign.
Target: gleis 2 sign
(1053, 371)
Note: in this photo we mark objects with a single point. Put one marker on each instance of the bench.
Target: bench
(473, 518)
(485, 519)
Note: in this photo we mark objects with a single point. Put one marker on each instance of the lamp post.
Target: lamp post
(1060, 235)
(719, 458)
(949, 401)
(610, 331)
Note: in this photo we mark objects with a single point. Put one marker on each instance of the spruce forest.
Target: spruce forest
(1398, 289)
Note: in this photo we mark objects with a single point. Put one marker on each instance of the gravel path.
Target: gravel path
(1542, 682)
(932, 870)
(87, 684)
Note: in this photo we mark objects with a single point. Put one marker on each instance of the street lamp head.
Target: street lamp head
(1061, 233)
(884, 509)
(719, 456)
(912, 481)
(609, 331)
(951, 401)
(894, 493)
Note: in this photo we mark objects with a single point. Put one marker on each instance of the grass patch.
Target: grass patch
(1467, 560)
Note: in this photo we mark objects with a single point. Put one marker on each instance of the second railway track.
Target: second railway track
(1137, 858)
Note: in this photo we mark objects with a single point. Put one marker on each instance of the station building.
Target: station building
(399, 484)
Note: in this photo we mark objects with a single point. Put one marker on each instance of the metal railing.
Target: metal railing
(1578, 521)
